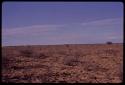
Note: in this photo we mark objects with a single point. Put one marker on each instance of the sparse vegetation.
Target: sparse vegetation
(63, 64)
(109, 42)
(71, 60)
(27, 52)
(33, 54)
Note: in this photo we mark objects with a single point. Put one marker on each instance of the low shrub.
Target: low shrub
(27, 52)
(109, 43)
(33, 54)
(71, 61)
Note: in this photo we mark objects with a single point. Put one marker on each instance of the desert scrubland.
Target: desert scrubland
(69, 63)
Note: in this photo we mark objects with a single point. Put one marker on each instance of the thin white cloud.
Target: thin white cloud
(39, 29)
(103, 22)
(93, 31)
(35, 29)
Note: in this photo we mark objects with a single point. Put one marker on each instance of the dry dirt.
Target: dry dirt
(87, 63)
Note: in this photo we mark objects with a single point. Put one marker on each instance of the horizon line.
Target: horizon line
(61, 44)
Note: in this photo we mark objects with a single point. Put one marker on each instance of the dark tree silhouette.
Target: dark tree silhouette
(109, 42)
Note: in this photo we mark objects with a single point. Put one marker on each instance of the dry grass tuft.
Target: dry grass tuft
(63, 64)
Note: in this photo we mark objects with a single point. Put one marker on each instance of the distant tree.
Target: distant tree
(109, 42)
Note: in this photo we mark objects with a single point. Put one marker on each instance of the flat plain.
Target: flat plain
(68, 63)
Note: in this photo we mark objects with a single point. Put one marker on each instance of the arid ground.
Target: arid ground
(80, 63)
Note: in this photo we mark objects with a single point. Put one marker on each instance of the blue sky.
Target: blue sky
(43, 23)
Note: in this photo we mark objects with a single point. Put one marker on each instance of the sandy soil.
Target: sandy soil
(96, 63)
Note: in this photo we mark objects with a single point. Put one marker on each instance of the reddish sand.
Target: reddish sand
(97, 63)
